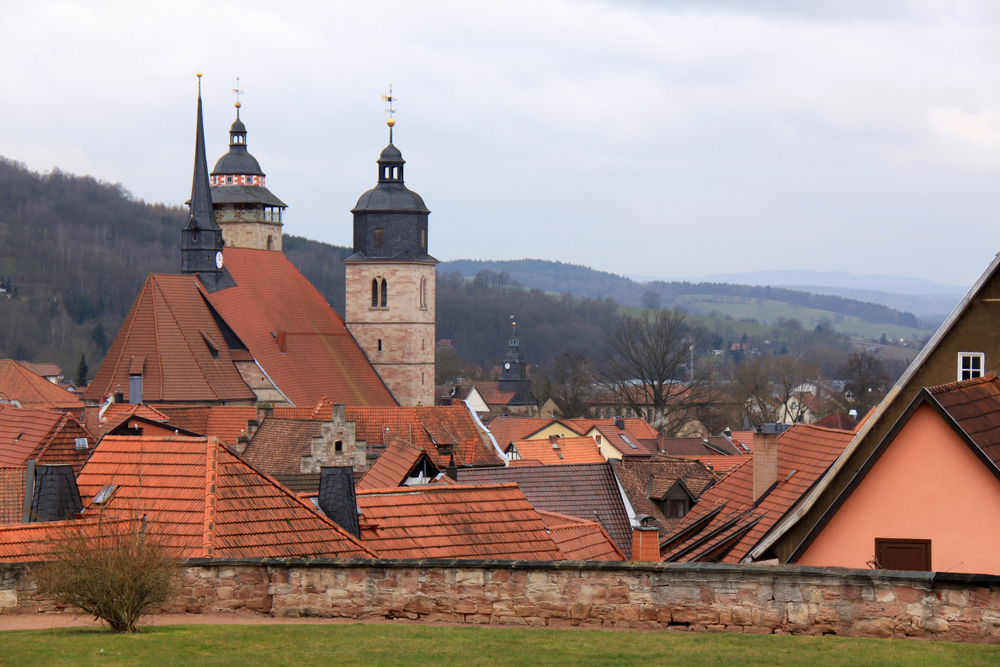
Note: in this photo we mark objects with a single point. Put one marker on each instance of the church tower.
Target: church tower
(250, 216)
(514, 374)
(201, 238)
(390, 283)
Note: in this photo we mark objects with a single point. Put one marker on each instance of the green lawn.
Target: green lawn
(357, 644)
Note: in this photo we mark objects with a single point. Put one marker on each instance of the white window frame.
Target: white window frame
(962, 356)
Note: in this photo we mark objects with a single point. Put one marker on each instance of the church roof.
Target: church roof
(185, 341)
(394, 197)
(245, 194)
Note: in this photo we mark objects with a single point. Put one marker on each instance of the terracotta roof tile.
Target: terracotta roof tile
(206, 501)
(698, 447)
(975, 405)
(586, 491)
(444, 521)
(837, 420)
(560, 451)
(320, 358)
(167, 333)
(646, 482)
(392, 467)
(736, 526)
(11, 494)
(46, 436)
(640, 428)
(116, 413)
(508, 429)
(32, 390)
(579, 539)
(31, 542)
(722, 464)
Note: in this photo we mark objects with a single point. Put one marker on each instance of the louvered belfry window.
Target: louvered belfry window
(374, 292)
(385, 293)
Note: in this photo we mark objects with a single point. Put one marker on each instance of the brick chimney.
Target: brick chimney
(645, 544)
(92, 419)
(765, 458)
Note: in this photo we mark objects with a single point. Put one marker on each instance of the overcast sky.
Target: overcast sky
(650, 138)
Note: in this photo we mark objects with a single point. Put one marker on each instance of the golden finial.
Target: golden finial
(199, 83)
(238, 93)
(392, 121)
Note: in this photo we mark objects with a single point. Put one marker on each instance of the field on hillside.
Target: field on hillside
(768, 312)
(384, 644)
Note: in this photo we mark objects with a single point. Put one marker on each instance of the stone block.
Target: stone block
(797, 613)
(757, 630)
(618, 595)
(934, 625)
(592, 594)
(839, 613)
(876, 627)
(8, 599)
(908, 594)
(684, 615)
(626, 613)
(734, 628)
(785, 592)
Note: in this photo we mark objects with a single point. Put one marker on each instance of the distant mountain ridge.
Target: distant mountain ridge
(582, 281)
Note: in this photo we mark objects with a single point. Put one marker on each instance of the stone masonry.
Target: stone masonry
(399, 338)
(336, 445)
(674, 597)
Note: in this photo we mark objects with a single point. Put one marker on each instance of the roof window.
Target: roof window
(104, 495)
(81, 443)
(970, 365)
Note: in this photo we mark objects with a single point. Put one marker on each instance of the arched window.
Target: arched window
(378, 237)
(385, 293)
(423, 239)
(374, 292)
(423, 292)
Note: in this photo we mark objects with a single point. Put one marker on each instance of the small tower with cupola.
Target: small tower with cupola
(247, 212)
(390, 282)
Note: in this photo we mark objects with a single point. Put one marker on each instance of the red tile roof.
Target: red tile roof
(587, 491)
(11, 494)
(31, 390)
(320, 357)
(837, 420)
(446, 521)
(975, 405)
(207, 502)
(116, 413)
(46, 436)
(578, 539)
(633, 425)
(31, 542)
(392, 467)
(169, 336)
(697, 447)
(722, 464)
(560, 451)
(508, 429)
(225, 422)
(646, 482)
(626, 442)
(724, 526)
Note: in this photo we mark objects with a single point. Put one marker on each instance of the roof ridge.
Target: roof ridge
(211, 477)
(962, 384)
(46, 441)
(425, 488)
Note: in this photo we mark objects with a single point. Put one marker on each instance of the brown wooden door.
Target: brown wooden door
(894, 554)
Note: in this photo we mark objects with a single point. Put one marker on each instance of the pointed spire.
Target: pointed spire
(202, 214)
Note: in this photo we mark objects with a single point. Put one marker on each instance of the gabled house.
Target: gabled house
(47, 437)
(401, 464)
(927, 496)
(554, 451)
(664, 488)
(964, 347)
(205, 501)
(21, 387)
(736, 514)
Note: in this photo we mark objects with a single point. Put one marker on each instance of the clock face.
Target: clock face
(507, 366)
(218, 260)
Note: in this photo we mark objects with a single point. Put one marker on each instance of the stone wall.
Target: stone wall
(679, 597)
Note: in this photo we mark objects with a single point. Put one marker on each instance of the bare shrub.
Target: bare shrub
(113, 569)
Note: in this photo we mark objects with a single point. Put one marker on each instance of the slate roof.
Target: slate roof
(320, 358)
(207, 502)
(32, 390)
(648, 481)
(11, 494)
(724, 526)
(446, 521)
(244, 194)
(186, 342)
(562, 451)
(392, 467)
(586, 491)
(579, 539)
(46, 436)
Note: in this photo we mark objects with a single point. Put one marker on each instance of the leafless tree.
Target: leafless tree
(647, 357)
(752, 390)
(794, 378)
(867, 381)
(651, 300)
(573, 378)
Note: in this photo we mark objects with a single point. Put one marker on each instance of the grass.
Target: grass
(412, 645)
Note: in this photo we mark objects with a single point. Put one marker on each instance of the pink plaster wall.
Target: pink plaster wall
(927, 485)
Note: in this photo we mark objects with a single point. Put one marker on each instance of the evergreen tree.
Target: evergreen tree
(81, 371)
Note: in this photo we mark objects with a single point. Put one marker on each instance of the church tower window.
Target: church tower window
(378, 236)
(423, 293)
(374, 292)
(385, 293)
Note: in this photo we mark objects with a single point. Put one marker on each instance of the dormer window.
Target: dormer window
(377, 237)
(970, 365)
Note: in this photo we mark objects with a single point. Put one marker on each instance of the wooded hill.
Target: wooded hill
(74, 253)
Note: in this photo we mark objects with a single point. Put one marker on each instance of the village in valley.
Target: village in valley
(300, 450)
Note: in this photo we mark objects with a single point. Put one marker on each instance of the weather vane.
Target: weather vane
(390, 110)
(238, 93)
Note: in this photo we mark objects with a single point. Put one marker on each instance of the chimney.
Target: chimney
(452, 469)
(119, 397)
(339, 413)
(620, 423)
(554, 440)
(337, 500)
(645, 544)
(92, 419)
(765, 459)
(659, 443)
(264, 410)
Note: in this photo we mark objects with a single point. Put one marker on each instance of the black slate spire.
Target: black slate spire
(201, 238)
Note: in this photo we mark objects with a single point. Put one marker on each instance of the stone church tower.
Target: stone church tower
(250, 216)
(390, 283)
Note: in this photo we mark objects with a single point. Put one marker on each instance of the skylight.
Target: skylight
(104, 494)
(627, 441)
